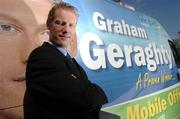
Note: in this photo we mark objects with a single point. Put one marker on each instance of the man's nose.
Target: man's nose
(64, 32)
(66, 28)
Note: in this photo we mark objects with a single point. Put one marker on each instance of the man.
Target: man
(57, 86)
(22, 28)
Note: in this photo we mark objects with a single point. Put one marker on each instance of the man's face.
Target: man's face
(22, 28)
(62, 29)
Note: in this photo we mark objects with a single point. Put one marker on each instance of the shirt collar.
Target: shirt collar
(61, 49)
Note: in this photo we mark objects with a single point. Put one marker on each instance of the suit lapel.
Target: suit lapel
(75, 69)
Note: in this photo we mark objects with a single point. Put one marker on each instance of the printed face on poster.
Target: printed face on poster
(22, 28)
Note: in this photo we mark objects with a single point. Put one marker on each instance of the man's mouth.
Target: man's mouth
(64, 36)
(19, 79)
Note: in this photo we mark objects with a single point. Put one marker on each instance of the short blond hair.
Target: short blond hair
(57, 5)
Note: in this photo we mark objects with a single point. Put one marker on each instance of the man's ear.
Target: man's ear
(49, 26)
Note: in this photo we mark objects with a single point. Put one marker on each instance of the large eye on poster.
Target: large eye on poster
(22, 28)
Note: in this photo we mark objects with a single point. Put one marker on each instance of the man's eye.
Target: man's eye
(60, 22)
(44, 32)
(43, 36)
(8, 28)
(5, 27)
(72, 25)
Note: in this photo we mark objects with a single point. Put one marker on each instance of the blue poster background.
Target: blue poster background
(120, 83)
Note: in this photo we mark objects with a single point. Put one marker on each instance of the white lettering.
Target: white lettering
(120, 27)
(115, 55)
(93, 54)
(98, 60)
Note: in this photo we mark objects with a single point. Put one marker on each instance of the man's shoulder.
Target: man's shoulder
(44, 47)
(46, 50)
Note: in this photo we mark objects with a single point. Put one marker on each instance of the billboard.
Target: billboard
(128, 55)
(123, 51)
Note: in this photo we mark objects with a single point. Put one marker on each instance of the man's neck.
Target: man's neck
(55, 44)
(60, 48)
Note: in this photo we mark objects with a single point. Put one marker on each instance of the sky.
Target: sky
(167, 12)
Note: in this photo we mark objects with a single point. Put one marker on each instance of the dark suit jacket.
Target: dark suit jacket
(56, 91)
